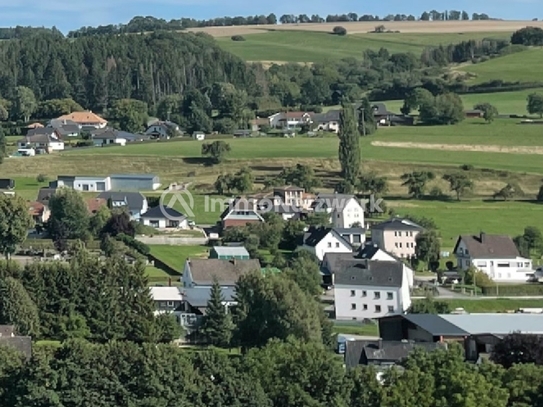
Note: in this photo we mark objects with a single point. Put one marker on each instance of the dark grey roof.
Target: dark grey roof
(397, 224)
(435, 325)
(380, 109)
(489, 246)
(350, 231)
(56, 123)
(44, 194)
(227, 271)
(163, 212)
(397, 351)
(314, 235)
(68, 129)
(368, 251)
(368, 273)
(354, 350)
(329, 116)
(22, 343)
(7, 330)
(134, 200)
(198, 297)
(49, 131)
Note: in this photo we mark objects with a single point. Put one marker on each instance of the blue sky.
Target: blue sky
(71, 14)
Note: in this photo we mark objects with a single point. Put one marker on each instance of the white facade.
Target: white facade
(109, 141)
(163, 223)
(89, 184)
(356, 302)
(51, 145)
(352, 213)
(518, 269)
(331, 243)
(159, 130)
(331, 126)
(199, 136)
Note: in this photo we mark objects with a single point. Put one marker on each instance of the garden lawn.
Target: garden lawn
(310, 46)
(175, 256)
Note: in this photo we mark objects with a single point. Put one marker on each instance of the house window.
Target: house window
(390, 296)
(467, 263)
(353, 306)
(395, 233)
(337, 245)
(396, 245)
(390, 308)
(364, 293)
(467, 251)
(481, 264)
(527, 264)
(411, 234)
(377, 308)
(400, 245)
(365, 307)
(353, 293)
(170, 303)
(503, 264)
(329, 244)
(377, 295)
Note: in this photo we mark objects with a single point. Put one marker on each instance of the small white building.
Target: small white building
(320, 241)
(199, 135)
(495, 255)
(366, 289)
(161, 217)
(108, 137)
(345, 210)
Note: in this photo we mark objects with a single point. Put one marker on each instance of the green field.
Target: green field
(506, 102)
(175, 256)
(309, 46)
(494, 305)
(524, 66)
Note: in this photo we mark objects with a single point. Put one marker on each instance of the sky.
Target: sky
(68, 15)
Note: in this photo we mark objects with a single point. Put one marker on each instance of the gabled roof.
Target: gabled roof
(83, 118)
(435, 325)
(57, 123)
(329, 116)
(160, 212)
(227, 271)
(68, 129)
(241, 208)
(134, 200)
(35, 208)
(34, 125)
(198, 297)
(368, 251)
(94, 204)
(369, 273)
(486, 246)
(44, 194)
(380, 109)
(21, 343)
(397, 224)
(315, 235)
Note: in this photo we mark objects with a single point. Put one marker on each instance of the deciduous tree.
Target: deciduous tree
(489, 111)
(428, 246)
(24, 104)
(69, 215)
(216, 150)
(15, 220)
(459, 183)
(535, 104)
(416, 182)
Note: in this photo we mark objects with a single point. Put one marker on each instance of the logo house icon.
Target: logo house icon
(185, 201)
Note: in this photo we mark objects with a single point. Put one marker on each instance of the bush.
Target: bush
(237, 38)
(467, 167)
(138, 246)
(339, 30)
(41, 178)
(513, 290)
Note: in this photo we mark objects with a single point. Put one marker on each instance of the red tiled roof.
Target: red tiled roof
(93, 204)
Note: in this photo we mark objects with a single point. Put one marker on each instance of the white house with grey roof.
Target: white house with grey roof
(322, 240)
(367, 289)
(116, 182)
(133, 202)
(397, 236)
(345, 210)
(495, 255)
(164, 217)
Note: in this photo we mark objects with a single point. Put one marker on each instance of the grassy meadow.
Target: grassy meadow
(522, 67)
(175, 256)
(506, 102)
(310, 46)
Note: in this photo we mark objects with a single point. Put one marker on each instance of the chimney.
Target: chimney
(482, 237)
(169, 281)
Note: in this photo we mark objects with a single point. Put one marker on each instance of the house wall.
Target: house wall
(131, 184)
(157, 129)
(94, 185)
(186, 278)
(163, 223)
(401, 243)
(365, 302)
(352, 213)
(329, 244)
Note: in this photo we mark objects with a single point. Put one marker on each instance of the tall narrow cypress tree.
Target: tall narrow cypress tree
(349, 144)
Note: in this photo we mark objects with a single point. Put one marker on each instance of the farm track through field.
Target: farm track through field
(463, 147)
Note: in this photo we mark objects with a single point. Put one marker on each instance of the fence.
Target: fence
(173, 241)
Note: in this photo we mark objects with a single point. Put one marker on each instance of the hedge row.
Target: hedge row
(514, 290)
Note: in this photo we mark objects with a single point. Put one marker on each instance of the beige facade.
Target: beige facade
(400, 243)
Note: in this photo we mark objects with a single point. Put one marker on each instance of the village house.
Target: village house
(367, 289)
(289, 120)
(133, 202)
(94, 204)
(40, 213)
(202, 272)
(258, 123)
(345, 210)
(162, 130)
(328, 121)
(397, 236)
(199, 135)
(87, 120)
(161, 217)
(115, 182)
(47, 139)
(66, 128)
(240, 212)
(495, 255)
(322, 240)
(371, 251)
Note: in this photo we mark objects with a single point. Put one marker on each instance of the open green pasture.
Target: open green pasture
(175, 256)
(309, 46)
(506, 102)
(523, 66)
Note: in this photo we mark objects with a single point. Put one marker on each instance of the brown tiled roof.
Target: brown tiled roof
(489, 246)
(35, 208)
(83, 117)
(93, 204)
(227, 271)
(34, 125)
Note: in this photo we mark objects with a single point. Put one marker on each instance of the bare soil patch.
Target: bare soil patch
(361, 27)
(463, 147)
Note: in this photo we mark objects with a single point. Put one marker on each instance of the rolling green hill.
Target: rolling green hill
(308, 46)
(524, 66)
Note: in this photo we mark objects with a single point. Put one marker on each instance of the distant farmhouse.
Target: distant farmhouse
(86, 120)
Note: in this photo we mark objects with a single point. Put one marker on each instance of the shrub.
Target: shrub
(339, 30)
(237, 38)
(467, 167)
(138, 246)
(41, 178)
